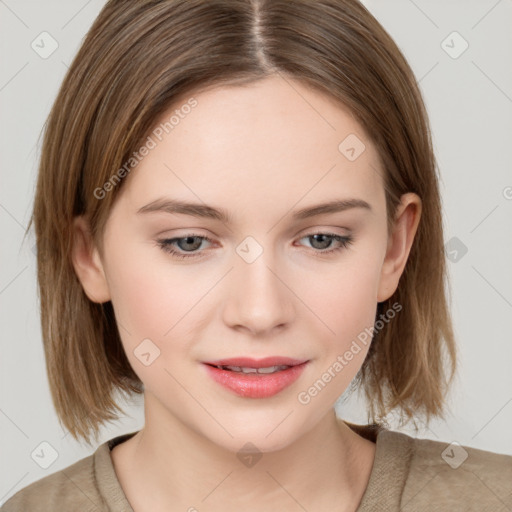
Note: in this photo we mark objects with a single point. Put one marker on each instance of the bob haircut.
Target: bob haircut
(139, 59)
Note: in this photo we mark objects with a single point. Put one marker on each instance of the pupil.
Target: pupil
(189, 240)
(320, 236)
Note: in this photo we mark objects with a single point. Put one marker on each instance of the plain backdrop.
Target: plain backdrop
(461, 53)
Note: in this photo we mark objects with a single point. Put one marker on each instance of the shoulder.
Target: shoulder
(70, 489)
(450, 476)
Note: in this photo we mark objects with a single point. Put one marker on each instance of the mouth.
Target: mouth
(253, 378)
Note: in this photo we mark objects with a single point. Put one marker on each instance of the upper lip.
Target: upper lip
(248, 362)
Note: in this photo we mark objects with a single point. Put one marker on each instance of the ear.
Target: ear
(399, 244)
(87, 262)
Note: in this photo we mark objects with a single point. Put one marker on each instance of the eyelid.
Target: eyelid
(324, 230)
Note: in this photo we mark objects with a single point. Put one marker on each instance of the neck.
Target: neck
(178, 468)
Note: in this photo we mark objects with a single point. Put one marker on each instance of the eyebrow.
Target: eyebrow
(167, 205)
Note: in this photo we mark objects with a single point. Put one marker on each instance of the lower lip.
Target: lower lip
(256, 385)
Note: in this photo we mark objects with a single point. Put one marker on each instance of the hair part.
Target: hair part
(140, 58)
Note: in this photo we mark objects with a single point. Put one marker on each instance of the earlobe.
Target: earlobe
(399, 245)
(87, 263)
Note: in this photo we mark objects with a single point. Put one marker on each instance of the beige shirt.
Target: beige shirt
(408, 475)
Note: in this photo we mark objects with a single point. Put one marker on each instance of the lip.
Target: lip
(256, 385)
(249, 362)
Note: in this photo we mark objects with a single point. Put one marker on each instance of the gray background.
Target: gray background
(469, 99)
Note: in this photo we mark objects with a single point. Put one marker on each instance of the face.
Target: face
(265, 281)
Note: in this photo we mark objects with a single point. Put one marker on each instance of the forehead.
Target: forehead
(271, 141)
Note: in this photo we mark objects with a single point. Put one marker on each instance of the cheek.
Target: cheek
(344, 299)
(345, 305)
(143, 301)
(149, 292)
(148, 297)
(153, 302)
(157, 300)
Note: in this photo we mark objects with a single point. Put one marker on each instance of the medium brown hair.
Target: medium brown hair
(137, 60)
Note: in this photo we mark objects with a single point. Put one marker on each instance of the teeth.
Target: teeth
(272, 369)
(269, 369)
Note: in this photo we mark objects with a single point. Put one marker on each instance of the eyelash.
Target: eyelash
(166, 244)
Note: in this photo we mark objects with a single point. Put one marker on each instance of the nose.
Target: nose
(259, 299)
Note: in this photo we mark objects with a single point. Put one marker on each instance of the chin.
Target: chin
(270, 435)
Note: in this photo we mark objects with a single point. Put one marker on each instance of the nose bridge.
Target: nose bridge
(259, 300)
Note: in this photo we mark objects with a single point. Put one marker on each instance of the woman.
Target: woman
(239, 214)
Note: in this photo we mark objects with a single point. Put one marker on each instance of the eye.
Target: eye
(190, 245)
(324, 241)
(187, 246)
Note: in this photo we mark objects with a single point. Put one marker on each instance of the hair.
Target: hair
(137, 60)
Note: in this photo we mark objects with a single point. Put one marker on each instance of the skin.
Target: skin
(262, 152)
